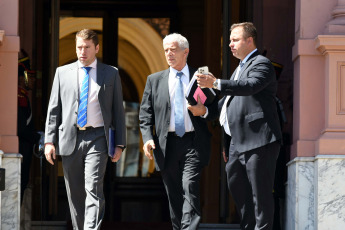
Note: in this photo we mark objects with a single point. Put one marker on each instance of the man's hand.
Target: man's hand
(148, 146)
(206, 80)
(117, 154)
(197, 110)
(49, 152)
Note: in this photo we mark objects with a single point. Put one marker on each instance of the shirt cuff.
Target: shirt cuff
(206, 114)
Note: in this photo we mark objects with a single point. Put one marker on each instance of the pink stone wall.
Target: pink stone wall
(319, 124)
(8, 76)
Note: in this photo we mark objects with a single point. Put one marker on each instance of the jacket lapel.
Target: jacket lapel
(191, 73)
(75, 83)
(100, 76)
(164, 85)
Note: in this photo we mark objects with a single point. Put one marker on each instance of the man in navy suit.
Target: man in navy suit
(179, 155)
(249, 117)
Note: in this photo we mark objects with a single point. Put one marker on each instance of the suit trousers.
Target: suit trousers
(181, 178)
(250, 180)
(84, 173)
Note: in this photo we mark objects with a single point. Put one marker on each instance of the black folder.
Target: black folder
(111, 147)
(207, 95)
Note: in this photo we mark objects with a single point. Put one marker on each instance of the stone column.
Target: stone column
(9, 48)
(330, 148)
(316, 188)
(337, 24)
(10, 197)
(330, 162)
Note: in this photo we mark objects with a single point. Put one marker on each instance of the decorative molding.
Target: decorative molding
(2, 34)
(341, 88)
(337, 24)
(330, 43)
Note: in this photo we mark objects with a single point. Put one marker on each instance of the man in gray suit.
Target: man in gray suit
(252, 137)
(85, 102)
(180, 141)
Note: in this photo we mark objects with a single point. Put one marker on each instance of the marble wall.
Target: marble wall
(300, 194)
(330, 192)
(316, 193)
(10, 197)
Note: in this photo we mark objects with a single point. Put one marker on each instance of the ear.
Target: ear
(250, 41)
(97, 48)
(186, 51)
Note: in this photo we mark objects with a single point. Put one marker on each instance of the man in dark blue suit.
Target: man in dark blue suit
(249, 117)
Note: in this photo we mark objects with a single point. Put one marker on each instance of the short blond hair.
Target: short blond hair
(87, 34)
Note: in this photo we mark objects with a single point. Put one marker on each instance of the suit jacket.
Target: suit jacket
(252, 112)
(61, 123)
(154, 119)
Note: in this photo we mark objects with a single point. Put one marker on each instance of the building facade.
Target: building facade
(307, 41)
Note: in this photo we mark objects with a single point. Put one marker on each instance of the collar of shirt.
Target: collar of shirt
(92, 65)
(185, 72)
(173, 79)
(247, 57)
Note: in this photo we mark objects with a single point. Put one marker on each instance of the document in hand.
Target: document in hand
(111, 148)
(207, 95)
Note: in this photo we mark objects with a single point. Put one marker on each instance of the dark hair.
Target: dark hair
(87, 34)
(248, 29)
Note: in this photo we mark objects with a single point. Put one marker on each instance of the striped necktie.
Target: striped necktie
(179, 118)
(82, 111)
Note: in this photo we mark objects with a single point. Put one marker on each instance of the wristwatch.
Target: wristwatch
(215, 84)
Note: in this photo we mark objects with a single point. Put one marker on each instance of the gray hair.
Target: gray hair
(181, 41)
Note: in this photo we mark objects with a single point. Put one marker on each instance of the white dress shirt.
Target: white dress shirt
(94, 114)
(173, 80)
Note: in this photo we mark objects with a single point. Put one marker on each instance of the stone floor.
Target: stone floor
(56, 225)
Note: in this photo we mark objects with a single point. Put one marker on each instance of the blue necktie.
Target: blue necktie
(179, 118)
(82, 111)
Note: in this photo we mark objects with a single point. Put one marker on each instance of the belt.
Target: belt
(88, 128)
(185, 134)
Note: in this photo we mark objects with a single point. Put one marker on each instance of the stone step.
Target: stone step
(205, 226)
(49, 225)
(63, 225)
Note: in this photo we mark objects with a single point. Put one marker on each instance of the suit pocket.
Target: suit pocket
(255, 121)
(108, 91)
(254, 116)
